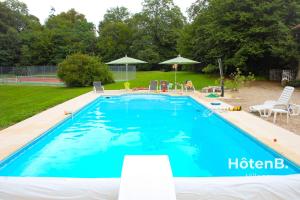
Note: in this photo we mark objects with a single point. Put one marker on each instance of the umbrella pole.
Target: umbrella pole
(126, 72)
(175, 79)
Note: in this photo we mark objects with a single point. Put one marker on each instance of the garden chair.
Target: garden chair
(153, 85)
(188, 86)
(98, 88)
(164, 86)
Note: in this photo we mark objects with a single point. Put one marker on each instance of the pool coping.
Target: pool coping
(11, 140)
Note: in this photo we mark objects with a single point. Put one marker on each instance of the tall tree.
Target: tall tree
(117, 14)
(115, 35)
(114, 41)
(14, 19)
(163, 21)
(196, 8)
(251, 34)
(69, 32)
(156, 31)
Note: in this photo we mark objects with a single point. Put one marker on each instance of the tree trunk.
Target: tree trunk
(298, 73)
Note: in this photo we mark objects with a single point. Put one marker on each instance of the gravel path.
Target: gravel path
(261, 91)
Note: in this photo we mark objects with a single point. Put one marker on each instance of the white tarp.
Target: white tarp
(239, 188)
(19, 188)
(231, 188)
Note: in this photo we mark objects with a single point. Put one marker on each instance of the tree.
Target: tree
(14, 19)
(114, 41)
(251, 35)
(115, 35)
(69, 32)
(196, 8)
(296, 31)
(155, 32)
(117, 14)
(163, 21)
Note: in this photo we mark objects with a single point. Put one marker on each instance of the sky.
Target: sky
(94, 10)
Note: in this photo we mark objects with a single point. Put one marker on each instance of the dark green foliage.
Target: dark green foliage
(14, 18)
(69, 32)
(150, 35)
(251, 35)
(114, 41)
(24, 41)
(79, 70)
(294, 83)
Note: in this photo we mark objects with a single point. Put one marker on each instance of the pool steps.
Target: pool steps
(147, 178)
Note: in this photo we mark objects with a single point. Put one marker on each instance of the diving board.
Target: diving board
(147, 178)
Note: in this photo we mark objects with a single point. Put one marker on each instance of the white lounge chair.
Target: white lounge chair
(265, 109)
(98, 87)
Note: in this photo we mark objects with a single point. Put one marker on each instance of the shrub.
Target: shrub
(295, 83)
(80, 70)
(238, 80)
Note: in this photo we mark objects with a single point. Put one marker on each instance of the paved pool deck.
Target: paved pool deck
(17, 136)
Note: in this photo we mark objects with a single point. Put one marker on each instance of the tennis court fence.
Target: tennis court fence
(47, 75)
(39, 75)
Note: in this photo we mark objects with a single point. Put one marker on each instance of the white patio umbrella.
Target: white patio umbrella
(178, 61)
(126, 61)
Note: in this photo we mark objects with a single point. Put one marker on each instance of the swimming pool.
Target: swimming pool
(95, 140)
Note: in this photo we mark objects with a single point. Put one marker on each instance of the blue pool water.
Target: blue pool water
(94, 142)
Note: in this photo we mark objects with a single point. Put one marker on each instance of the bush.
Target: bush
(295, 83)
(80, 70)
(238, 80)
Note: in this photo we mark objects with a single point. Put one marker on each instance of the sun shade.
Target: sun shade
(179, 60)
(126, 60)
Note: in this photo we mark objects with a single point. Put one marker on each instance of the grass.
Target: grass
(143, 79)
(18, 102)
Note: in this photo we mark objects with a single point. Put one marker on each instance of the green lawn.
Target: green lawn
(20, 102)
(143, 79)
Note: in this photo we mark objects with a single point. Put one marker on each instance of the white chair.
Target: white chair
(265, 109)
(294, 109)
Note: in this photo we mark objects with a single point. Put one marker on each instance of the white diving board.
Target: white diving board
(147, 178)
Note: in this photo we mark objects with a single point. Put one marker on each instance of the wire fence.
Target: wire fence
(119, 72)
(47, 75)
(36, 75)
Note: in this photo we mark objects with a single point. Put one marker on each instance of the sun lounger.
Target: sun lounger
(265, 109)
(164, 86)
(98, 88)
(188, 86)
(153, 85)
